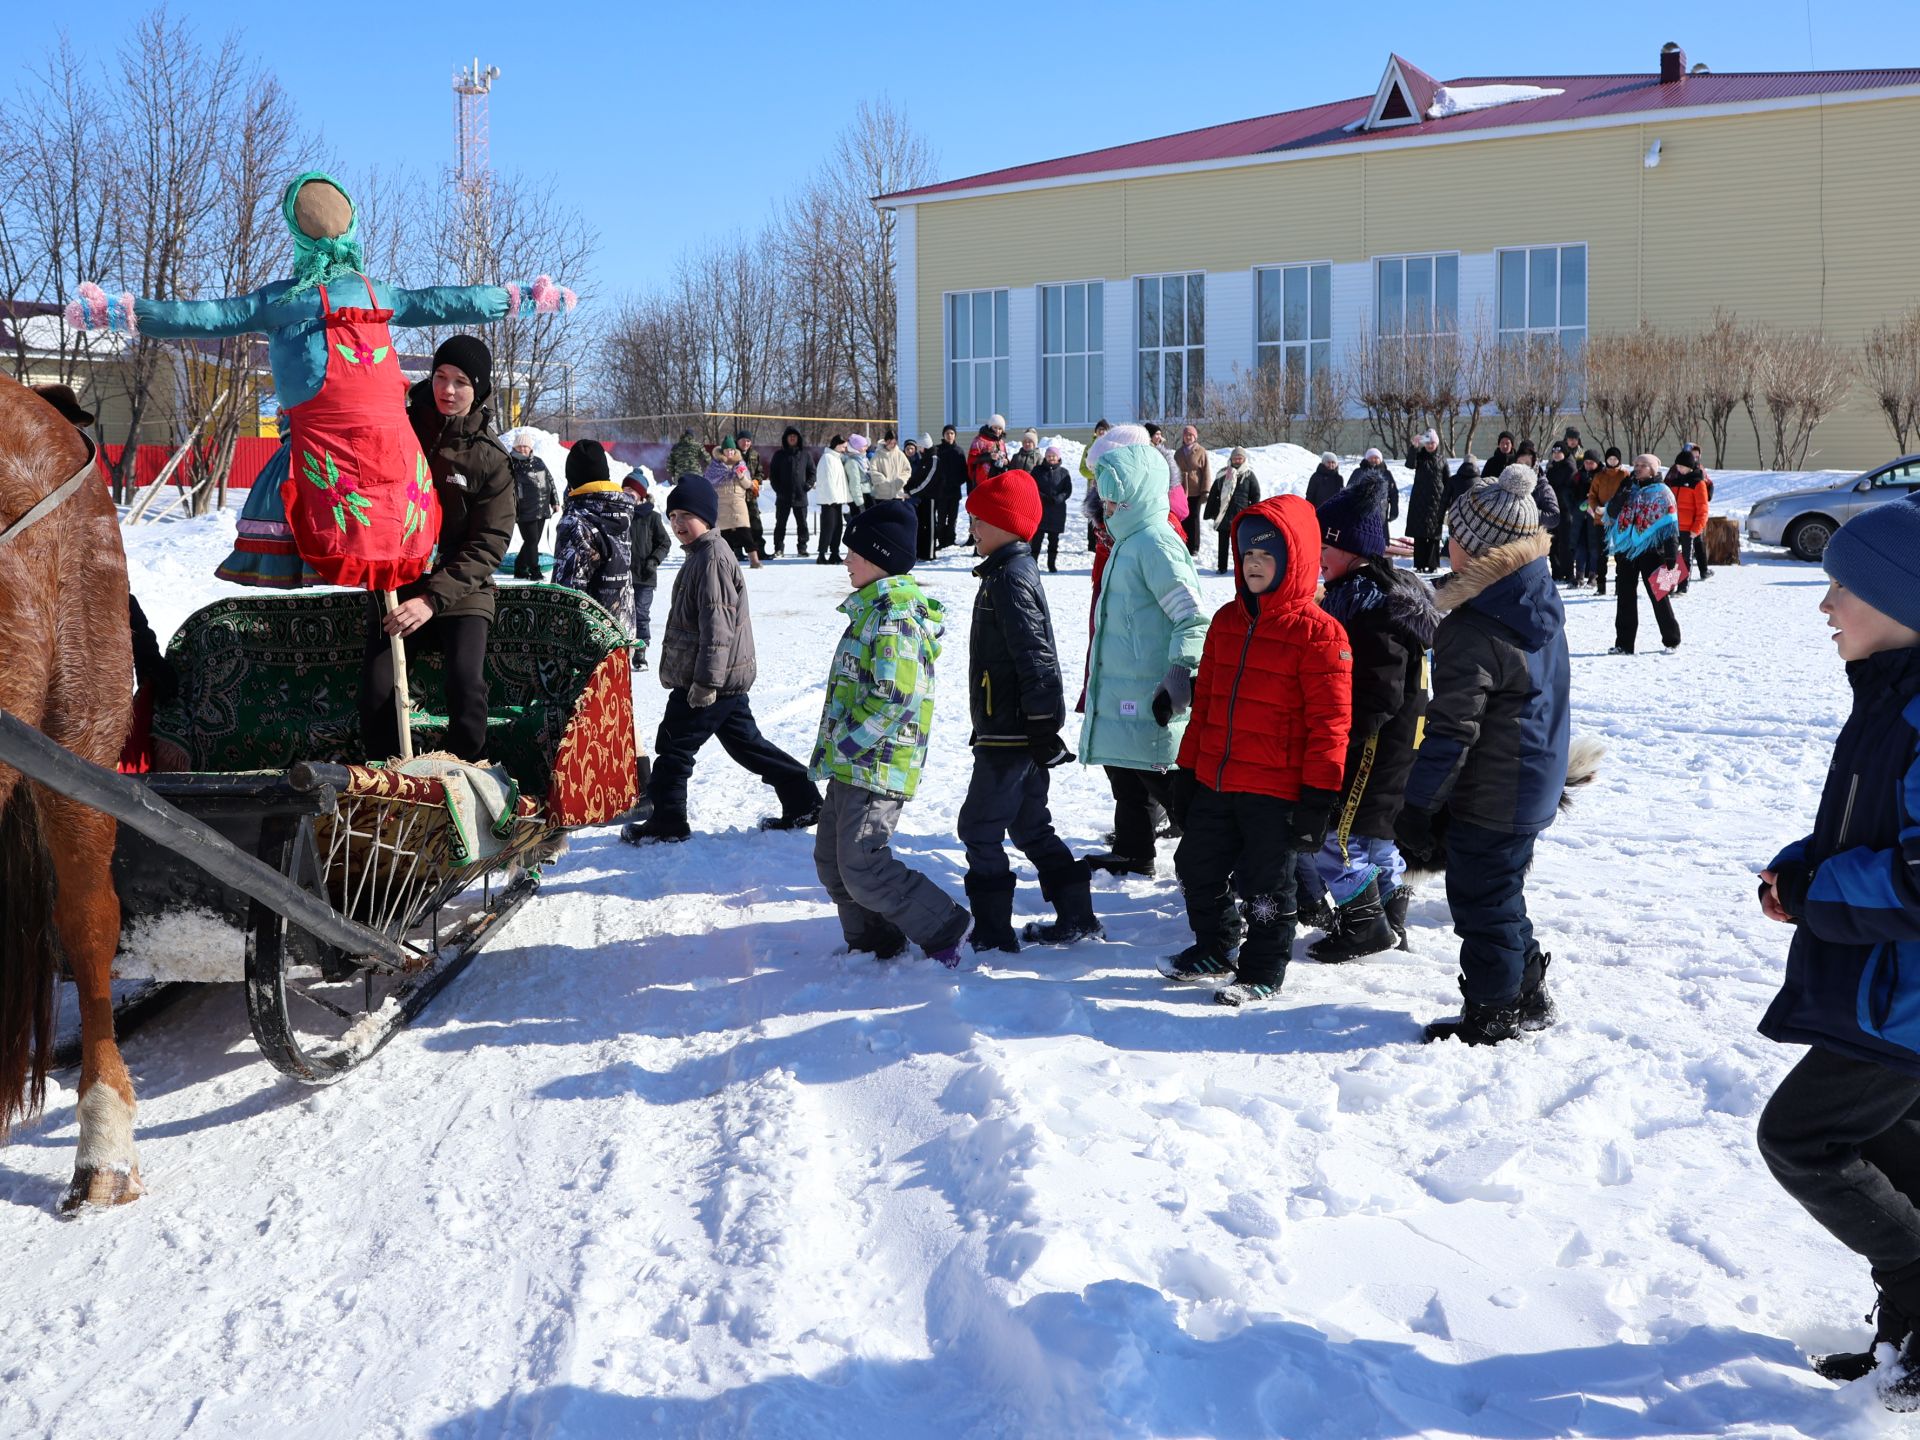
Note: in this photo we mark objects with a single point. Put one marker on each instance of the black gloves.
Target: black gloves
(1174, 695)
(1413, 833)
(1790, 885)
(1044, 745)
(1311, 814)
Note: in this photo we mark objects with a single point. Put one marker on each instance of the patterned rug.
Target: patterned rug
(270, 679)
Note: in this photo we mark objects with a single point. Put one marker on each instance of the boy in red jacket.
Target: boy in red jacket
(1267, 745)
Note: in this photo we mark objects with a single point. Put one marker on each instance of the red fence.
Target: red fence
(250, 455)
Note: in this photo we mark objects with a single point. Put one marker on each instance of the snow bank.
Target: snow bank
(1462, 99)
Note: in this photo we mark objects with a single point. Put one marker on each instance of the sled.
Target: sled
(349, 893)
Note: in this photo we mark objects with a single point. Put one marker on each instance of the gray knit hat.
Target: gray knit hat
(1495, 512)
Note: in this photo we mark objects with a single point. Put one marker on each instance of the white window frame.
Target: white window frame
(999, 359)
(1559, 327)
(1394, 79)
(1379, 309)
(1094, 396)
(1279, 348)
(1187, 349)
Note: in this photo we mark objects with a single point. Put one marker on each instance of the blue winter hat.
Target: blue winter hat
(1350, 521)
(885, 533)
(1876, 555)
(695, 495)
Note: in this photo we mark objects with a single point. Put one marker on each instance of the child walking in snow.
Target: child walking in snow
(1354, 880)
(1265, 743)
(592, 550)
(1019, 707)
(873, 744)
(651, 545)
(707, 664)
(1842, 1133)
(1495, 750)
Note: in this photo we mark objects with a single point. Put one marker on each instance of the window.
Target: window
(1905, 477)
(1172, 315)
(1072, 362)
(1293, 318)
(978, 369)
(1543, 291)
(1417, 295)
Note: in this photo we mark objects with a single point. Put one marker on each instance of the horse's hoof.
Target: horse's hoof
(101, 1189)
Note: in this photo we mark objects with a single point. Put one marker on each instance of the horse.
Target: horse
(68, 673)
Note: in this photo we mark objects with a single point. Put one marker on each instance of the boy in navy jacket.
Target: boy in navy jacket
(1842, 1133)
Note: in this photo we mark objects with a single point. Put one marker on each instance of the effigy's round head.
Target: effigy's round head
(321, 211)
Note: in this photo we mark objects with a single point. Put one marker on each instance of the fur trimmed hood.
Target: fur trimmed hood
(1512, 586)
(1456, 589)
(1404, 600)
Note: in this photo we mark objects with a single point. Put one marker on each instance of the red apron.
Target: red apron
(358, 494)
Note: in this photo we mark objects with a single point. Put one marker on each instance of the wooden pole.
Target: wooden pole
(173, 463)
(402, 701)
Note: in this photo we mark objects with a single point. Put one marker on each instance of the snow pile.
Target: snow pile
(192, 944)
(547, 448)
(1462, 99)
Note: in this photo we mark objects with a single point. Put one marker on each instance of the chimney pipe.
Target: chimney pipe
(1673, 63)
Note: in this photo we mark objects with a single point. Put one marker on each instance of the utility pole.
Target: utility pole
(473, 175)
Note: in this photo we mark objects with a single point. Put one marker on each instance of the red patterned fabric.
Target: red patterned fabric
(593, 770)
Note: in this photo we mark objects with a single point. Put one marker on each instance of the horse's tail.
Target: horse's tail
(29, 957)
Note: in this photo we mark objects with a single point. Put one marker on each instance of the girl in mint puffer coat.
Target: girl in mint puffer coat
(1148, 632)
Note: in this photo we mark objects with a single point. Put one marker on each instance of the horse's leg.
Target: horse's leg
(87, 912)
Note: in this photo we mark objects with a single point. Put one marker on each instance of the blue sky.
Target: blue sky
(672, 123)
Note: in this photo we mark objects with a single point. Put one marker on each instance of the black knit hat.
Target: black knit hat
(469, 355)
(695, 495)
(885, 534)
(586, 463)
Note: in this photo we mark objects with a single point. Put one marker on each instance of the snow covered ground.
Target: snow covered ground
(661, 1163)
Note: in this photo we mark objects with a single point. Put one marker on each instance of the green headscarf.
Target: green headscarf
(315, 262)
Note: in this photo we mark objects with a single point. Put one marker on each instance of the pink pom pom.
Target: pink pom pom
(570, 298)
(546, 295)
(127, 314)
(76, 318)
(94, 301)
(513, 297)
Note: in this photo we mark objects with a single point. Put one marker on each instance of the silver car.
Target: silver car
(1804, 520)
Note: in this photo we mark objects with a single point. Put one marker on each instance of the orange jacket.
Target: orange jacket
(1689, 501)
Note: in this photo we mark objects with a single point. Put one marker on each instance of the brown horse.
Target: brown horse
(66, 667)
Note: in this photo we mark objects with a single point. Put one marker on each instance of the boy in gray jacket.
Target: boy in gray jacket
(707, 665)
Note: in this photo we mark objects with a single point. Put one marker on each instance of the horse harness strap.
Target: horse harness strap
(53, 502)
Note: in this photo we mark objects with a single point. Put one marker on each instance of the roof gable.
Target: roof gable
(1558, 100)
(1403, 97)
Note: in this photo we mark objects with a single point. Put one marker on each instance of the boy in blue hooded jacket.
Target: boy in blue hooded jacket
(1842, 1133)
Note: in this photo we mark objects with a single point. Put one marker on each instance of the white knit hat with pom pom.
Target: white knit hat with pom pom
(1495, 512)
(1116, 437)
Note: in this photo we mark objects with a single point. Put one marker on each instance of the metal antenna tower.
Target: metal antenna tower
(473, 175)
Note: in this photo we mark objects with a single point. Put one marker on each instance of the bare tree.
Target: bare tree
(1532, 377)
(1801, 378)
(1723, 359)
(1327, 393)
(1389, 385)
(1890, 364)
(1626, 379)
(1683, 406)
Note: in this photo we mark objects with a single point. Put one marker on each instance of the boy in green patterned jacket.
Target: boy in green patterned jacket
(873, 743)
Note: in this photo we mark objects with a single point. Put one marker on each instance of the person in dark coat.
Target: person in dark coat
(688, 457)
(1502, 456)
(951, 463)
(792, 475)
(1054, 482)
(1426, 515)
(1559, 477)
(1019, 709)
(1543, 497)
(923, 489)
(1494, 752)
(593, 549)
(452, 605)
(757, 472)
(1839, 1132)
(1372, 472)
(534, 501)
(1352, 884)
(651, 544)
(1235, 489)
(1326, 481)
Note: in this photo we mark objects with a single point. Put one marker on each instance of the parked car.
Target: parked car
(1804, 520)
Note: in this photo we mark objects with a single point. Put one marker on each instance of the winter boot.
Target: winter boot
(1478, 1024)
(948, 948)
(656, 829)
(990, 897)
(639, 657)
(1318, 914)
(1069, 891)
(803, 814)
(1534, 1003)
(1216, 942)
(1892, 1324)
(1263, 959)
(1396, 908)
(882, 939)
(1360, 928)
(1122, 864)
